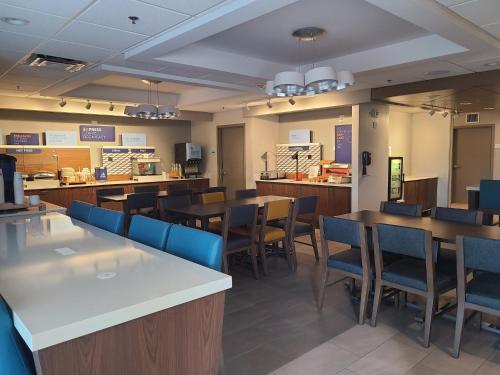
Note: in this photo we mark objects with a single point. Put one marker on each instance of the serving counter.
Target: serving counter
(64, 195)
(334, 199)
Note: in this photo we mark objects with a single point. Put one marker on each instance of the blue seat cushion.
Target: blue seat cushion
(14, 355)
(349, 261)
(484, 290)
(411, 272)
(300, 227)
(236, 241)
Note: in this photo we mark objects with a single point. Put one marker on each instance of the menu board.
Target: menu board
(30, 139)
(343, 144)
(97, 133)
(395, 186)
(60, 138)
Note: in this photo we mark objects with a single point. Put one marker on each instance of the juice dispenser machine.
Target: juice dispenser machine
(188, 155)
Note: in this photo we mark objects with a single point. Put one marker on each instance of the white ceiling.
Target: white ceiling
(211, 52)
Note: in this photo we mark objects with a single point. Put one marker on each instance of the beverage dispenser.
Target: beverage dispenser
(188, 155)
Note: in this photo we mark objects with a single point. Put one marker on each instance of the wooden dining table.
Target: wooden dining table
(204, 212)
(120, 198)
(442, 230)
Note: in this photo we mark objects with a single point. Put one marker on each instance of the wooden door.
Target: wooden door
(231, 146)
(472, 159)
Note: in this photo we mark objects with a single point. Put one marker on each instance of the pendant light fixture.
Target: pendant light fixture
(151, 111)
(317, 80)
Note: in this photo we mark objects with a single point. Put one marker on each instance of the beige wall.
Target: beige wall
(161, 134)
(320, 122)
(400, 137)
(487, 118)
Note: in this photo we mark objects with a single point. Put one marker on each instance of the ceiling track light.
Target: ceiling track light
(269, 104)
(111, 107)
(292, 101)
(432, 112)
(88, 105)
(445, 114)
(62, 103)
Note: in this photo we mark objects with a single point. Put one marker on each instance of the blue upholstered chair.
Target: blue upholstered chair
(489, 199)
(80, 210)
(195, 245)
(14, 355)
(457, 215)
(482, 292)
(414, 272)
(149, 231)
(246, 193)
(110, 220)
(352, 263)
(402, 209)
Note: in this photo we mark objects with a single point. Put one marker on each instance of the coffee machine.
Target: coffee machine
(188, 155)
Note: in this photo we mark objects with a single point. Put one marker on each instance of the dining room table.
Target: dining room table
(87, 301)
(120, 198)
(204, 212)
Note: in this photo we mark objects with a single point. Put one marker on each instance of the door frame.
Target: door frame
(220, 128)
(452, 158)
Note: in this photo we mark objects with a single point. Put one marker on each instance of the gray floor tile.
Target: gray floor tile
(422, 370)
(362, 339)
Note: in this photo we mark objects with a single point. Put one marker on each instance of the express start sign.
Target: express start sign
(97, 133)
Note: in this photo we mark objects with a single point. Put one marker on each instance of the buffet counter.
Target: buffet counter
(64, 195)
(421, 190)
(334, 199)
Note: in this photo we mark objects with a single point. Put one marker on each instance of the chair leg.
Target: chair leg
(262, 250)
(429, 314)
(294, 252)
(322, 289)
(365, 290)
(288, 254)
(224, 261)
(314, 243)
(255, 267)
(377, 299)
(459, 326)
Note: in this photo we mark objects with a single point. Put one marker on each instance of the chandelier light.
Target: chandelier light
(317, 80)
(151, 111)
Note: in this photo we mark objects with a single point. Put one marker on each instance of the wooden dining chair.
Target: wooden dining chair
(214, 224)
(142, 204)
(246, 193)
(216, 189)
(245, 218)
(482, 292)
(353, 263)
(172, 187)
(414, 273)
(107, 191)
(147, 189)
(403, 209)
(172, 202)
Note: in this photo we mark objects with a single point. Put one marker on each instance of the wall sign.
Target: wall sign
(60, 138)
(134, 139)
(97, 133)
(142, 150)
(24, 150)
(23, 139)
(115, 150)
(343, 144)
(300, 136)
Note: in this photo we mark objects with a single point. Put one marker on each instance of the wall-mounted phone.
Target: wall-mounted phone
(366, 159)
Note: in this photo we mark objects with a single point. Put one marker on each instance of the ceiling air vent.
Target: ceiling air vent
(54, 62)
(472, 118)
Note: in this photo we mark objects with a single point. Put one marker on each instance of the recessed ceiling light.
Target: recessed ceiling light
(489, 108)
(493, 63)
(465, 103)
(437, 72)
(15, 21)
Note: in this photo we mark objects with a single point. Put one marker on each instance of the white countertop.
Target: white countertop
(123, 182)
(288, 181)
(105, 281)
(417, 178)
(34, 210)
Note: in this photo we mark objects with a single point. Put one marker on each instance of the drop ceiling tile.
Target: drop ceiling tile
(27, 73)
(493, 29)
(480, 12)
(63, 8)
(152, 19)
(191, 7)
(40, 24)
(74, 51)
(18, 42)
(449, 3)
(99, 36)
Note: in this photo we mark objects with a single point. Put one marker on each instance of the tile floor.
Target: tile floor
(272, 326)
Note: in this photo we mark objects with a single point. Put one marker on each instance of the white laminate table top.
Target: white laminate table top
(64, 279)
(34, 210)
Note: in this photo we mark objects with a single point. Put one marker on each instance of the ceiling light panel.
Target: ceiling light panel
(191, 7)
(40, 24)
(152, 19)
(99, 36)
(74, 51)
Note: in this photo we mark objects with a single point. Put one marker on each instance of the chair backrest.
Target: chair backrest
(175, 193)
(195, 245)
(149, 231)
(80, 210)
(241, 216)
(176, 186)
(403, 209)
(457, 215)
(14, 356)
(246, 193)
(213, 197)
(489, 194)
(401, 240)
(110, 220)
(147, 189)
(172, 202)
(141, 200)
(345, 231)
(107, 191)
(479, 254)
(277, 210)
(216, 189)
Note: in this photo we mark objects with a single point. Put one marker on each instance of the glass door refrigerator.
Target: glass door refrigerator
(396, 179)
